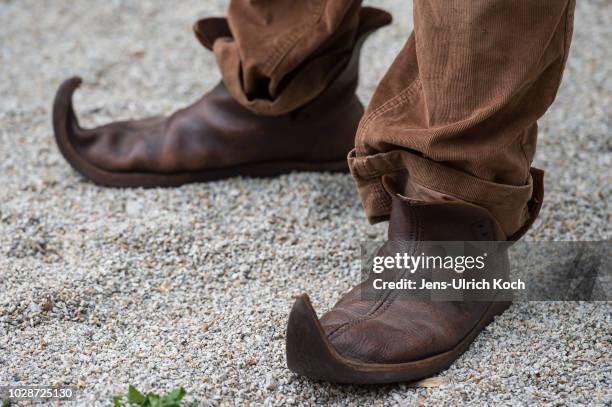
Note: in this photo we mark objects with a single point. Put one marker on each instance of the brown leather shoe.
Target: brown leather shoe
(383, 336)
(216, 137)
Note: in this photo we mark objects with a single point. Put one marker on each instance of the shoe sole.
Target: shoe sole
(62, 108)
(311, 354)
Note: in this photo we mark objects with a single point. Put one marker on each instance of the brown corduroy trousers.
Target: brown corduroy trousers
(455, 116)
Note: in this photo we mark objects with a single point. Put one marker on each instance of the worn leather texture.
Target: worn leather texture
(384, 326)
(217, 132)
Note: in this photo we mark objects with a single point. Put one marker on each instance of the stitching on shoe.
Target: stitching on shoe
(384, 303)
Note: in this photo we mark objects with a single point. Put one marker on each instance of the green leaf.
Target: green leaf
(135, 397)
(117, 401)
(153, 400)
(174, 397)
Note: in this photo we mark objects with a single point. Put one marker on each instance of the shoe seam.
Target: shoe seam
(381, 307)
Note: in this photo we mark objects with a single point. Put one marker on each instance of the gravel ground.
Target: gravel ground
(192, 286)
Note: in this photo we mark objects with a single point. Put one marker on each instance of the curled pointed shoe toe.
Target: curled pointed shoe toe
(377, 335)
(217, 137)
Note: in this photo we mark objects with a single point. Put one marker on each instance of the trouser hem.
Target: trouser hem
(514, 207)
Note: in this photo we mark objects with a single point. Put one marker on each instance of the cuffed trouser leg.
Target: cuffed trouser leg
(455, 116)
(283, 53)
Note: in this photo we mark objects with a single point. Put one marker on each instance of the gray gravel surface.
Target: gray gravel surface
(191, 287)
